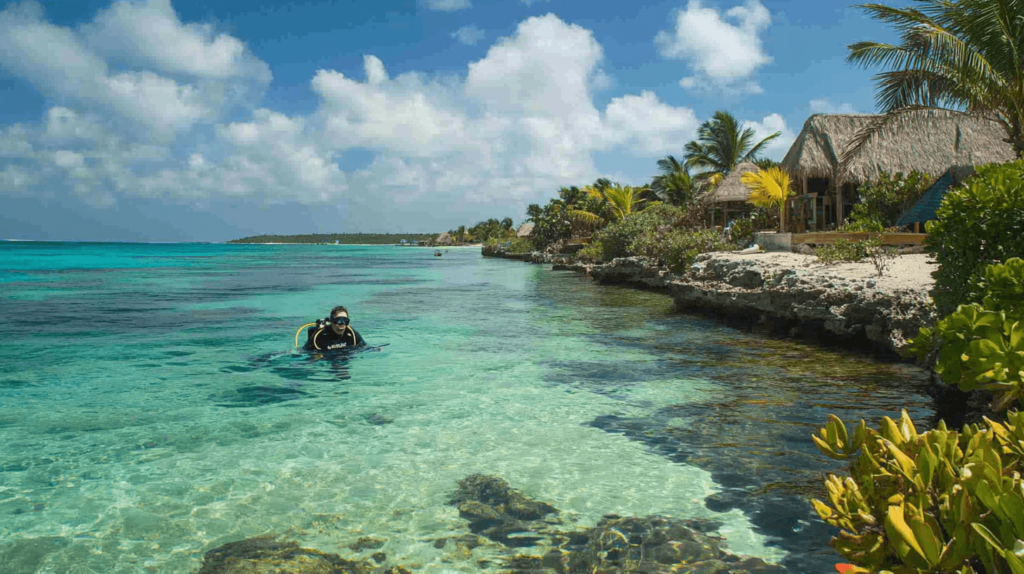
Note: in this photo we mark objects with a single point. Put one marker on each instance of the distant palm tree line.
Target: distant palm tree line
(720, 146)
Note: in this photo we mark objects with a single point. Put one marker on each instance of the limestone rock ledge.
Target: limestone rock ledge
(803, 300)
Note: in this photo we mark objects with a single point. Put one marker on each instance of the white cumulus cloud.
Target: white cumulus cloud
(444, 149)
(722, 51)
(149, 33)
(188, 74)
(777, 148)
(468, 35)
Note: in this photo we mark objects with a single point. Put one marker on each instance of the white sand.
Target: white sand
(905, 272)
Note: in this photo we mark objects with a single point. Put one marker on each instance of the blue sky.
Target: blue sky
(180, 120)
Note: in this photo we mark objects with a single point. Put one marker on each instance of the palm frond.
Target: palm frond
(584, 217)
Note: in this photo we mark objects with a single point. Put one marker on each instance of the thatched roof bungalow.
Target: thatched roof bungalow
(731, 188)
(524, 230)
(929, 141)
(444, 238)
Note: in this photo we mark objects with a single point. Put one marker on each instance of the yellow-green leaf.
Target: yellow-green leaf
(1015, 563)
(986, 534)
(902, 536)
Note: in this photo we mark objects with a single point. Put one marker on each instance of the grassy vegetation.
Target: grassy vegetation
(340, 238)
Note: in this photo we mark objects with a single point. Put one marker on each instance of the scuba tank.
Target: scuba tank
(320, 325)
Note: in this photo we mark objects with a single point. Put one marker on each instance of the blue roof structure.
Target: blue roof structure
(924, 209)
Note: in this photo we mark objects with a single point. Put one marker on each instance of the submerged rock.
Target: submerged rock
(499, 512)
(269, 555)
(379, 419)
(616, 544)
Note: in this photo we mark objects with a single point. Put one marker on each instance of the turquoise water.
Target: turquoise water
(152, 406)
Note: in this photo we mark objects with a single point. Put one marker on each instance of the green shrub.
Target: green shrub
(978, 224)
(981, 346)
(616, 240)
(884, 200)
(677, 248)
(881, 256)
(864, 225)
(742, 232)
(843, 250)
(655, 233)
(590, 253)
(939, 501)
(519, 245)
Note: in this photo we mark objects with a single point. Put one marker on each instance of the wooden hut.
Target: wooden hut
(444, 238)
(929, 141)
(524, 230)
(731, 191)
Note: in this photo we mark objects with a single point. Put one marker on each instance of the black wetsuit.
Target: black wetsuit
(327, 340)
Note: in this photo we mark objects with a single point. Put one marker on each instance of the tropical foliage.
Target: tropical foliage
(961, 55)
(840, 251)
(655, 233)
(674, 185)
(933, 502)
(978, 224)
(882, 201)
(721, 145)
(981, 346)
(768, 188)
(622, 200)
(491, 229)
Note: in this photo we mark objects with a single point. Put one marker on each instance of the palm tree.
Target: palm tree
(674, 184)
(769, 188)
(721, 146)
(622, 199)
(958, 55)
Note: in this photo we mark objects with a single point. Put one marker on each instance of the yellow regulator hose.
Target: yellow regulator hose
(300, 330)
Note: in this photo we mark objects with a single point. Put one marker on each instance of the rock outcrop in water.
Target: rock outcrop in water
(270, 555)
(646, 545)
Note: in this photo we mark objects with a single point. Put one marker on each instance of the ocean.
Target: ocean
(153, 406)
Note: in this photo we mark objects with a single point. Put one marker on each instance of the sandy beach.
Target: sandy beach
(905, 272)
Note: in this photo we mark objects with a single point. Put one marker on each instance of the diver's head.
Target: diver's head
(339, 319)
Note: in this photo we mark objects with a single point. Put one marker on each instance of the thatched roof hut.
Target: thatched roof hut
(929, 141)
(524, 230)
(731, 188)
(444, 239)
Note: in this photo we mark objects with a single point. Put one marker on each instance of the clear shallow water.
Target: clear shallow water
(151, 406)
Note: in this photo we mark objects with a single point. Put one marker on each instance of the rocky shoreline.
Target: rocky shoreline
(789, 294)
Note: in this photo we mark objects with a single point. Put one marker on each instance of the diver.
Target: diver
(332, 334)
